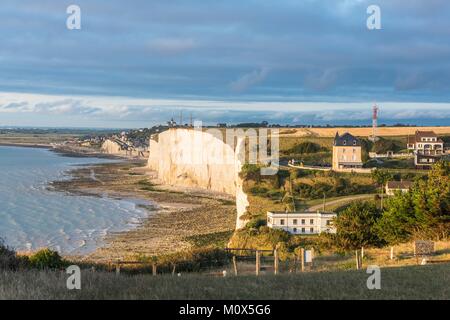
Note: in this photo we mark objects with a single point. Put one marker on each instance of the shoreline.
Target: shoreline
(175, 213)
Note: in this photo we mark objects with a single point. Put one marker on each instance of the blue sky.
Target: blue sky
(137, 63)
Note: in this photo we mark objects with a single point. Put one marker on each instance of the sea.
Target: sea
(32, 216)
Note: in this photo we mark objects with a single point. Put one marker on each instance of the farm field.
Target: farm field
(360, 132)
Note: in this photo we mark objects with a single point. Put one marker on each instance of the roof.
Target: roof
(399, 184)
(346, 140)
(303, 212)
(423, 134)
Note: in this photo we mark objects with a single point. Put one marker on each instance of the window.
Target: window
(311, 230)
(295, 221)
(303, 221)
(295, 230)
(282, 222)
(311, 221)
(328, 222)
(303, 230)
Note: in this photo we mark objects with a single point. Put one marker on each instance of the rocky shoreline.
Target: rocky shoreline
(176, 214)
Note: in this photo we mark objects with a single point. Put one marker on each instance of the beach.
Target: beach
(177, 214)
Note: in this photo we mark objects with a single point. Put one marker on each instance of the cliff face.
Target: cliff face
(193, 158)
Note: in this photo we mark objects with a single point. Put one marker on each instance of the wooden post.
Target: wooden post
(275, 261)
(173, 269)
(235, 266)
(154, 269)
(258, 261)
(357, 260)
(302, 258)
(362, 252)
(392, 253)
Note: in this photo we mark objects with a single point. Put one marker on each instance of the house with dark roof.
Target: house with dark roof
(347, 152)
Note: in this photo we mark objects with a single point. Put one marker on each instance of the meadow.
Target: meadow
(416, 282)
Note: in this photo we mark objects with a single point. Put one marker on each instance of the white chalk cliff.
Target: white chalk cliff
(194, 158)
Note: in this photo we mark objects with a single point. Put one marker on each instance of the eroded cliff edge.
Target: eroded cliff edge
(195, 158)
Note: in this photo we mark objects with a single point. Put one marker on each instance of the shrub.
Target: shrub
(46, 259)
(9, 259)
(256, 223)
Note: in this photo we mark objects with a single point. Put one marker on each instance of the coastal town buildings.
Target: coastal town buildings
(302, 223)
(427, 147)
(347, 152)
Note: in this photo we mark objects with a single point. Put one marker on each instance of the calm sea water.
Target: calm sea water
(33, 217)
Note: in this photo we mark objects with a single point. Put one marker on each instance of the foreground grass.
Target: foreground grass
(419, 282)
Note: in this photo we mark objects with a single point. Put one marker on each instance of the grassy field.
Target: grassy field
(419, 282)
(361, 132)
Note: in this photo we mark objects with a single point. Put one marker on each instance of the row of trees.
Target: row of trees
(423, 212)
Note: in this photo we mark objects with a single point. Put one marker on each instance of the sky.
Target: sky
(141, 62)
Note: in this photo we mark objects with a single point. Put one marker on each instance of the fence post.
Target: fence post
(357, 260)
(257, 262)
(154, 269)
(312, 257)
(117, 268)
(275, 261)
(302, 258)
(392, 253)
(235, 266)
(173, 269)
(362, 252)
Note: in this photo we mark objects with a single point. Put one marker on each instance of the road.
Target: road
(342, 201)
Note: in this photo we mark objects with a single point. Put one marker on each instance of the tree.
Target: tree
(423, 212)
(398, 221)
(381, 177)
(356, 226)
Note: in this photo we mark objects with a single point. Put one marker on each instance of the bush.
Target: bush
(9, 259)
(46, 259)
(256, 223)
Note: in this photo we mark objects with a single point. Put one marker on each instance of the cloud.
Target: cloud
(172, 45)
(83, 111)
(249, 80)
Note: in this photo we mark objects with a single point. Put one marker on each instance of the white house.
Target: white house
(394, 186)
(302, 222)
(427, 148)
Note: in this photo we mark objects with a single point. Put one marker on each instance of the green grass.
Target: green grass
(418, 282)
(216, 239)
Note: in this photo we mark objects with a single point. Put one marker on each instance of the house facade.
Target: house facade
(427, 147)
(302, 223)
(347, 152)
(398, 186)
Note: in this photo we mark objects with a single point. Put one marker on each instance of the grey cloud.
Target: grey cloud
(248, 80)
